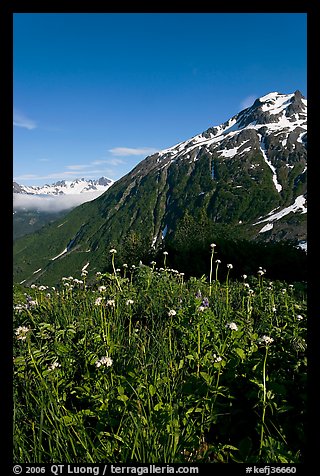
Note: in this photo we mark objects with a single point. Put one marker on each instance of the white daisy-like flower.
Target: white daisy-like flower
(113, 251)
(54, 366)
(172, 312)
(218, 261)
(244, 276)
(33, 286)
(299, 317)
(111, 302)
(213, 245)
(229, 266)
(98, 273)
(153, 263)
(265, 340)
(260, 272)
(217, 358)
(102, 289)
(201, 308)
(98, 301)
(129, 301)
(21, 332)
(19, 307)
(165, 253)
(125, 265)
(106, 361)
(232, 325)
(42, 288)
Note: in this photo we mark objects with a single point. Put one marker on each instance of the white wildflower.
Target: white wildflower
(111, 302)
(218, 261)
(201, 308)
(33, 286)
(244, 276)
(232, 325)
(98, 273)
(172, 312)
(98, 301)
(42, 288)
(299, 317)
(106, 361)
(217, 358)
(113, 251)
(19, 307)
(265, 340)
(129, 301)
(213, 245)
(102, 289)
(54, 366)
(229, 266)
(21, 332)
(125, 265)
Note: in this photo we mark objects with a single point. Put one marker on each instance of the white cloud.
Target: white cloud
(113, 162)
(125, 151)
(248, 101)
(20, 120)
(52, 203)
(77, 167)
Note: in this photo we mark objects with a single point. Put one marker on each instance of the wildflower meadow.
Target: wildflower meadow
(144, 365)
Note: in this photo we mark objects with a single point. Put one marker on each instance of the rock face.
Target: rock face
(249, 173)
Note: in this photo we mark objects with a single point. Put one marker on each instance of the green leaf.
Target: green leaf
(120, 390)
(123, 398)
(206, 377)
(152, 390)
(241, 353)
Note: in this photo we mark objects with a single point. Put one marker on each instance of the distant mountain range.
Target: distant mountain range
(35, 206)
(65, 187)
(249, 173)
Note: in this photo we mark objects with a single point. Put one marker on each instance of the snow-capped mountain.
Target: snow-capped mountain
(248, 174)
(65, 187)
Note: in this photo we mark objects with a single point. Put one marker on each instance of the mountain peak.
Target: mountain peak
(65, 187)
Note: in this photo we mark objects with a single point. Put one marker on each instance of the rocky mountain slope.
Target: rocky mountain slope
(248, 173)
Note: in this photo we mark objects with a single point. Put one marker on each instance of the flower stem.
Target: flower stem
(264, 401)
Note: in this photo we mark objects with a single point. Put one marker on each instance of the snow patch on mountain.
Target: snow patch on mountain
(297, 206)
(274, 173)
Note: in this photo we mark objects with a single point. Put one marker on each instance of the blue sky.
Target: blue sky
(94, 94)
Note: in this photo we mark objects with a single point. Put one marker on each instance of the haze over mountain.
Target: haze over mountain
(34, 206)
(248, 173)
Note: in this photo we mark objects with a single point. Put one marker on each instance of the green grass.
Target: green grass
(160, 369)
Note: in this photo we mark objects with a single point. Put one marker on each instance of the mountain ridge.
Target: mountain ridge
(66, 187)
(248, 173)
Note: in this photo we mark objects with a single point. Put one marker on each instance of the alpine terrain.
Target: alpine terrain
(248, 174)
(30, 214)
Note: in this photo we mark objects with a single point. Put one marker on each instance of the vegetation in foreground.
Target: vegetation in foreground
(143, 365)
